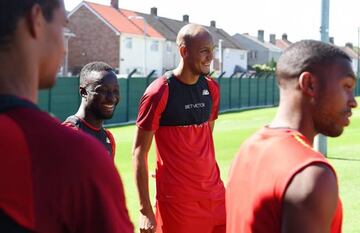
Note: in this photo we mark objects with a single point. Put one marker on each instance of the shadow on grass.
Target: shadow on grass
(345, 159)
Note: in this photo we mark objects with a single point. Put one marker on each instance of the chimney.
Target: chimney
(186, 18)
(153, 11)
(273, 39)
(213, 23)
(284, 37)
(261, 35)
(115, 4)
(350, 45)
(331, 40)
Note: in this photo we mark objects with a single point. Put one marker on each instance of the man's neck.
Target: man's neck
(18, 76)
(186, 75)
(294, 117)
(89, 117)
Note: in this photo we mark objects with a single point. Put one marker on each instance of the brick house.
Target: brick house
(116, 36)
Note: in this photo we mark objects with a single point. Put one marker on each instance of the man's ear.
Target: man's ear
(35, 21)
(83, 92)
(307, 83)
(183, 51)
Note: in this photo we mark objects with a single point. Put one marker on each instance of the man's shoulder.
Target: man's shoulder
(39, 126)
(211, 81)
(315, 180)
(312, 191)
(157, 88)
(72, 122)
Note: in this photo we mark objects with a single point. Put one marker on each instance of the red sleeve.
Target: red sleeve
(112, 142)
(70, 125)
(152, 104)
(215, 96)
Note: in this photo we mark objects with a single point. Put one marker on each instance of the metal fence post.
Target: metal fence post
(240, 90)
(149, 76)
(273, 90)
(128, 94)
(266, 87)
(230, 91)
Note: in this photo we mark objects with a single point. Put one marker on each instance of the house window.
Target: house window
(252, 54)
(168, 46)
(154, 46)
(242, 56)
(128, 43)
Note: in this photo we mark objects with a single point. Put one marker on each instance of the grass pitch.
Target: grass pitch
(230, 131)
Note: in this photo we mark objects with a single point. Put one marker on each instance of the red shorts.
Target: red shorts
(205, 216)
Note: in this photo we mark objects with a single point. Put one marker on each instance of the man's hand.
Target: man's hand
(147, 222)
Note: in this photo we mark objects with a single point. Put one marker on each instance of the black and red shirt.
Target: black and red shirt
(103, 135)
(179, 115)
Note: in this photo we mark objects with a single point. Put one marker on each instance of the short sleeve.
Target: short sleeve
(152, 104)
(215, 97)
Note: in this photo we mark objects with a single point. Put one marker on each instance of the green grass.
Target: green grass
(230, 131)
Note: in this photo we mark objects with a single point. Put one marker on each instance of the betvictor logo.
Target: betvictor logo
(197, 105)
(205, 92)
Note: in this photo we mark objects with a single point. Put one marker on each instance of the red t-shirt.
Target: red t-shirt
(260, 175)
(179, 115)
(56, 180)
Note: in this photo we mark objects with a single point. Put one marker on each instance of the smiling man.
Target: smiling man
(179, 110)
(99, 92)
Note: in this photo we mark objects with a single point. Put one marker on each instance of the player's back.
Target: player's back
(259, 176)
(56, 180)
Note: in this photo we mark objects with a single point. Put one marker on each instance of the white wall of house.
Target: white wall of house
(133, 51)
(354, 65)
(171, 56)
(230, 59)
(274, 55)
(233, 57)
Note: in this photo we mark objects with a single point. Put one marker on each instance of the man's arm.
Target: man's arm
(310, 201)
(141, 148)
(212, 124)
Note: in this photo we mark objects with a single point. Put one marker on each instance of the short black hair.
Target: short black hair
(307, 55)
(12, 10)
(97, 66)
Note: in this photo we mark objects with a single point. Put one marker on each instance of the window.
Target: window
(252, 54)
(128, 43)
(168, 46)
(242, 56)
(154, 46)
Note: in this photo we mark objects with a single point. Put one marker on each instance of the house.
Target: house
(282, 43)
(116, 36)
(64, 69)
(349, 50)
(233, 56)
(259, 51)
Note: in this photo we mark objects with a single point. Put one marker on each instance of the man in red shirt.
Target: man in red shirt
(52, 179)
(179, 110)
(99, 92)
(278, 182)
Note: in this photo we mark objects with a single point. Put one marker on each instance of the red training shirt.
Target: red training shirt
(260, 175)
(179, 116)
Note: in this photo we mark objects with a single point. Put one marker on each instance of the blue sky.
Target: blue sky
(299, 19)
